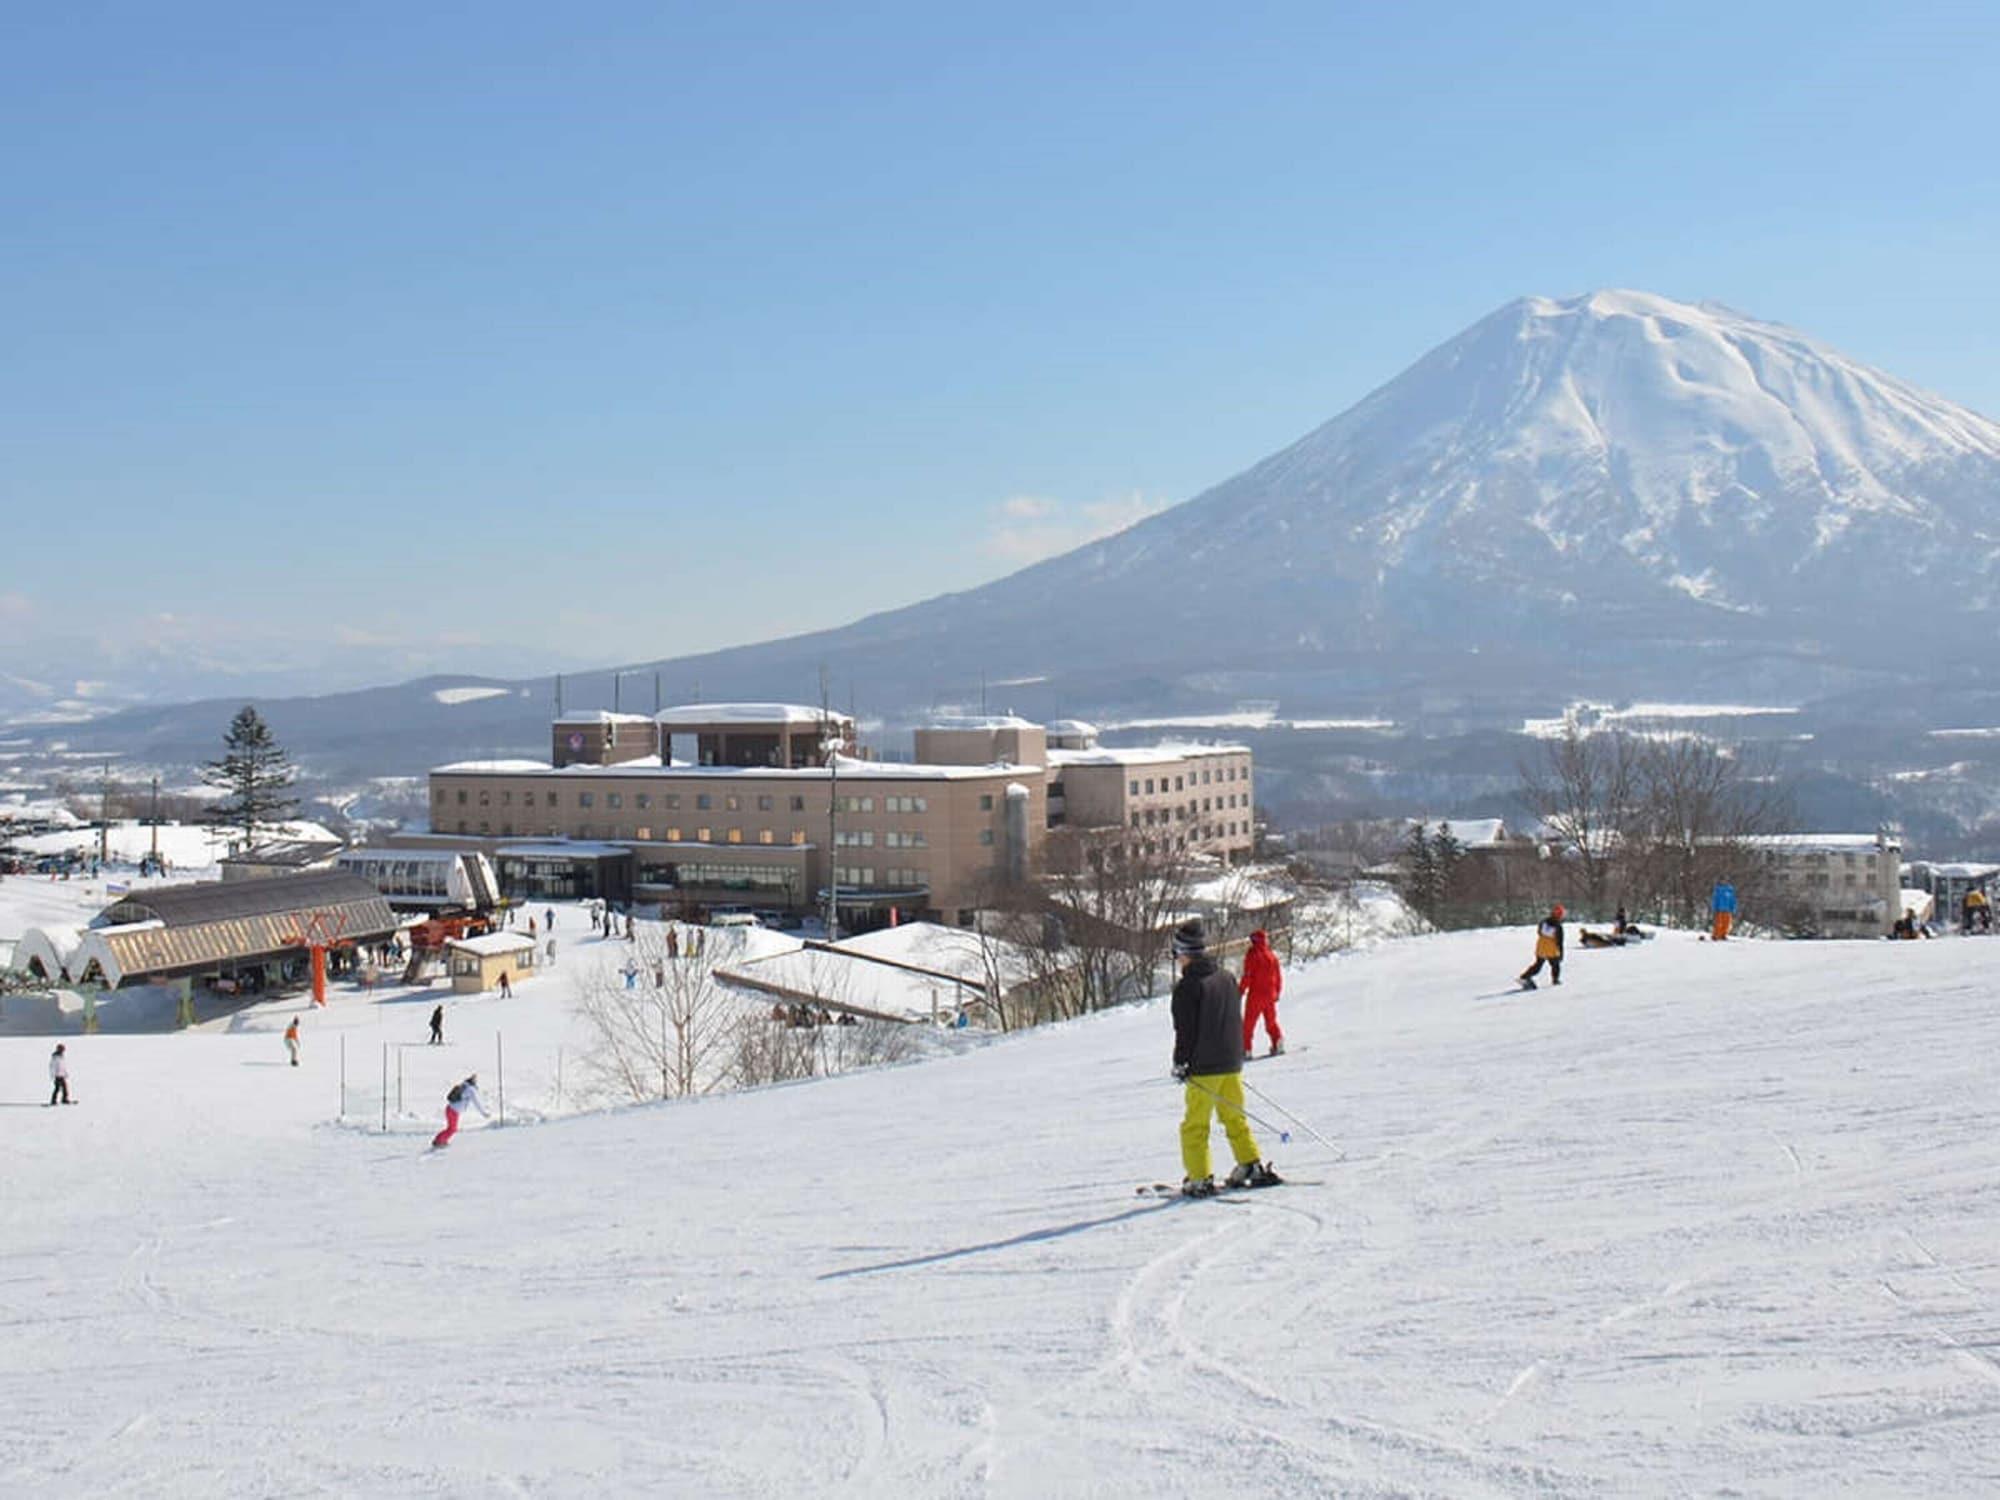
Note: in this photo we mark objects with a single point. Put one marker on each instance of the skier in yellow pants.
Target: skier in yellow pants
(1208, 1058)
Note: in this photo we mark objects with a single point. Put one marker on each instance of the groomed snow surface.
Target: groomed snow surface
(1706, 1219)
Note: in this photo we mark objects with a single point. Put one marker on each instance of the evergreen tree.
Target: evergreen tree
(255, 772)
(1446, 852)
(1421, 858)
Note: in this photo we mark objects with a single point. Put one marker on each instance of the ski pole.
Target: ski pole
(1338, 1151)
(1284, 1135)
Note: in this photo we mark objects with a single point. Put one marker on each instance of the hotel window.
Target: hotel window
(484, 826)
(461, 823)
(986, 802)
(673, 835)
(1149, 786)
(1180, 783)
(764, 802)
(798, 804)
(506, 799)
(1134, 789)
(1135, 820)
(798, 836)
(555, 798)
(506, 830)
(461, 798)
(585, 799)
(612, 799)
(702, 802)
(645, 833)
(485, 799)
(671, 801)
(985, 835)
(645, 800)
(732, 803)
(735, 835)
(701, 835)
(764, 836)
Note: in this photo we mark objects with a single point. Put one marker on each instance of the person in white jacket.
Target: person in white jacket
(59, 1076)
(463, 1096)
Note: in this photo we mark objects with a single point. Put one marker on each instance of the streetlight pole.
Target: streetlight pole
(832, 752)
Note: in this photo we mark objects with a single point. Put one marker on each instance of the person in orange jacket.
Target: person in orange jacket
(1548, 949)
(1260, 986)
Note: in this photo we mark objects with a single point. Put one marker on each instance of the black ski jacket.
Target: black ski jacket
(1208, 1019)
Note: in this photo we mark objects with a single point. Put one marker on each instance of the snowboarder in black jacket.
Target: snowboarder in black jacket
(1208, 1059)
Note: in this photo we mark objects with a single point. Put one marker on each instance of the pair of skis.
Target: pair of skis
(1172, 1190)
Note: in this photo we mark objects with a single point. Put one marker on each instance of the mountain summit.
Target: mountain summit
(1615, 465)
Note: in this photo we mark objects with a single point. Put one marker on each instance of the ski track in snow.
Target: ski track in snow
(1701, 1220)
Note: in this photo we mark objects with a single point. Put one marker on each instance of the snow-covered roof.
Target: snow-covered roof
(937, 949)
(1824, 843)
(1959, 870)
(693, 715)
(52, 947)
(981, 721)
(1078, 728)
(1140, 755)
(350, 857)
(603, 716)
(488, 944)
(1470, 833)
(1240, 891)
(649, 766)
(560, 849)
(898, 972)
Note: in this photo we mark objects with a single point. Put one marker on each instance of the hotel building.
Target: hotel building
(761, 805)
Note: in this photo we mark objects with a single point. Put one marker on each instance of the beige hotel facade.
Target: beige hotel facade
(764, 803)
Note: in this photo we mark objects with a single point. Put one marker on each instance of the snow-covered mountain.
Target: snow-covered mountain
(1615, 464)
(1595, 496)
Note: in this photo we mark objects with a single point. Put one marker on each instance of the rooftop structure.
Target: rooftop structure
(215, 928)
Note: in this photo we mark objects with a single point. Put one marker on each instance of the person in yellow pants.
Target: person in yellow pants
(1208, 1059)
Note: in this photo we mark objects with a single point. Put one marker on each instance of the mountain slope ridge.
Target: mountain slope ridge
(1572, 491)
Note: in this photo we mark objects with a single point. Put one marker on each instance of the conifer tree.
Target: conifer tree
(1446, 852)
(1421, 859)
(255, 772)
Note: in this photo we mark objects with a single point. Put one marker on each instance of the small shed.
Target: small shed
(478, 962)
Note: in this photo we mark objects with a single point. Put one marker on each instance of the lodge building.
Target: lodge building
(763, 804)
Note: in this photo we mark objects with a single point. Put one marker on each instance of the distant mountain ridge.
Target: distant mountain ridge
(1569, 495)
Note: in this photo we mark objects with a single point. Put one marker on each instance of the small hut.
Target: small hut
(478, 962)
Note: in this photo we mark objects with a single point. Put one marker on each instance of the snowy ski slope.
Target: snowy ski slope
(1708, 1218)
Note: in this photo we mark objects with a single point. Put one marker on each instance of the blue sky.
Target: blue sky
(622, 331)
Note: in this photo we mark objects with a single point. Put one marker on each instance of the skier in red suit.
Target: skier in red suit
(1260, 986)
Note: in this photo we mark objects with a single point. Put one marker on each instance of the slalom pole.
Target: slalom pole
(1338, 1151)
(1284, 1135)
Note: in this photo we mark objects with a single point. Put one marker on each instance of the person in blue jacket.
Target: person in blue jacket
(1722, 905)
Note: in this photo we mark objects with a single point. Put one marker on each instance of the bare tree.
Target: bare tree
(659, 1025)
(1584, 788)
(1698, 807)
(1111, 903)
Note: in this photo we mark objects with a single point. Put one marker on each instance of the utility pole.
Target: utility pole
(104, 820)
(829, 747)
(156, 825)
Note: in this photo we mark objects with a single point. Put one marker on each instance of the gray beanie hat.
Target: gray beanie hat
(1190, 938)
